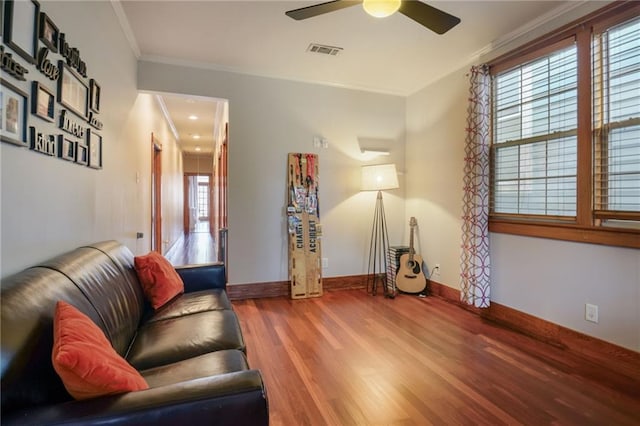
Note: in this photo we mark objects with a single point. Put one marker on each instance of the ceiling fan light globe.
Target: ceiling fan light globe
(381, 8)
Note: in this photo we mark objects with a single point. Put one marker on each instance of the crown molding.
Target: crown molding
(167, 117)
(529, 27)
(126, 28)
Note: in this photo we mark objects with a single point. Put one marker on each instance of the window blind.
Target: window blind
(616, 114)
(535, 136)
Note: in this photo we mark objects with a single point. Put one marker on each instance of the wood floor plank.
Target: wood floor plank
(348, 358)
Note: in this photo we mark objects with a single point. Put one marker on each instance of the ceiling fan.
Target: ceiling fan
(435, 19)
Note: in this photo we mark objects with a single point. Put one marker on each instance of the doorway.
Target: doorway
(198, 203)
(156, 195)
(200, 134)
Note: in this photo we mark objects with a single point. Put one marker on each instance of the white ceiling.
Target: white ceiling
(392, 55)
(195, 120)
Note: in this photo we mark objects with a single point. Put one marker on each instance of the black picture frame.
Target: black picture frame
(48, 32)
(94, 97)
(82, 154)
(73, 93)
(21, 27)
(67, 148)
(94, 142)
(42, 102)
(13, 114)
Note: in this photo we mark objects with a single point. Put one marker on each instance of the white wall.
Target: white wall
(436, 118)
(548, 279)
(269, 118)
(172, 186)
(50, 205)
(554, 279)
(198, 163)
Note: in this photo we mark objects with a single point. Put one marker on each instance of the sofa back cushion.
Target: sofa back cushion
(26, 316)
(123, 258)
(110, 289)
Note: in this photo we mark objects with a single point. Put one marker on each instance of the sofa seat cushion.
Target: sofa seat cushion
(176, 339)
(192, 303)
(211, 364)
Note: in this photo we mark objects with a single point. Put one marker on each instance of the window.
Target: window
(565, 153)
(616, 120)
(203, 197)
(535, 136)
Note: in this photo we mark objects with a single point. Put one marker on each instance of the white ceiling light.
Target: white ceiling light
(193, 117)
(381, 8)
(196, 136)
(198, 148)
(375, 151)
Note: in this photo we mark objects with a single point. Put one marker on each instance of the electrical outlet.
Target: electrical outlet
(325, 262)
(436, 269)
(591, 313)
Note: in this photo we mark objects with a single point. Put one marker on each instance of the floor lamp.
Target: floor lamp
(379, 178)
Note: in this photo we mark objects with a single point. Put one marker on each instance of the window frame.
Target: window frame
(587, 226)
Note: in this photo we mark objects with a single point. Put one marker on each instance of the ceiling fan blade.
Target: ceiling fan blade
(435, 19)
(320, 9)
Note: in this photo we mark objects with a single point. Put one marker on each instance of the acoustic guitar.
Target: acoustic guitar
(410, 278)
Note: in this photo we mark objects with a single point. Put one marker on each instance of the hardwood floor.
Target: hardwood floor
(193, 248)
(348, 358)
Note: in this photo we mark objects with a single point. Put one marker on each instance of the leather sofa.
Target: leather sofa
(191, 351)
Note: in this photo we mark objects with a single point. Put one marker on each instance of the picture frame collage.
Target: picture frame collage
(33, 37)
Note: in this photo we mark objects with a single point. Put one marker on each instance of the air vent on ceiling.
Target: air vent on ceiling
(325, 50)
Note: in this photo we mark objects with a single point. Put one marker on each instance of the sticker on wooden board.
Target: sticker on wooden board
(303, 225)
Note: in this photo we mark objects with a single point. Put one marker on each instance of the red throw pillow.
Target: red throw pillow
(85, 360)
(160, 281)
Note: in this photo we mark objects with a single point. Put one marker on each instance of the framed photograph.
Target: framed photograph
(42, 102)
(94, 141)
(94, 102)
(13, 114)
(67, 148)
(21, 27)
(72, 92)
(82, 154)
(48, 32)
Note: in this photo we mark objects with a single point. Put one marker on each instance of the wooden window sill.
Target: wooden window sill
(620, 237)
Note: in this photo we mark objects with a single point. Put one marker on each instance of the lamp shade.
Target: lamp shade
(379, 177)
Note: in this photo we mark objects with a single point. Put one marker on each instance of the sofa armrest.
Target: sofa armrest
(227, 399)
(203, 277)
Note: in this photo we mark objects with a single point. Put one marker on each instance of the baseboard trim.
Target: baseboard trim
(544, 330)
(258, 290)
(283, 288)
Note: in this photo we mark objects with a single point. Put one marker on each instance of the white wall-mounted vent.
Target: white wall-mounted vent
(325, 50)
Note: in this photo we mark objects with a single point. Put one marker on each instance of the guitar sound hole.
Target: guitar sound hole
(414, 267)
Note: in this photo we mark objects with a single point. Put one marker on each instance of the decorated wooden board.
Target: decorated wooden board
(303, 219)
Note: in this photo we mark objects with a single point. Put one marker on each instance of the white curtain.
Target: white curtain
(475, 264)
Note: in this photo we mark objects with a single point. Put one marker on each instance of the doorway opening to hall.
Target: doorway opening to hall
(197, 177)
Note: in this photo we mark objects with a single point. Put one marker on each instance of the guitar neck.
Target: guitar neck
(411, 250)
